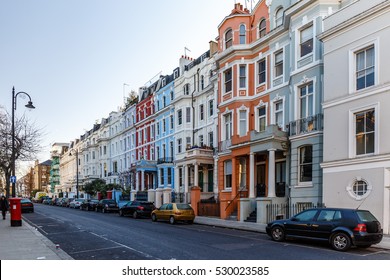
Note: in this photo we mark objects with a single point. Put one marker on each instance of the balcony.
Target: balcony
(224, 146)
(306, 125)
(196, 152)
(165, 160)
(270, 132)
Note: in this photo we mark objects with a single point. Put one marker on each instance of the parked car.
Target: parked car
(75, 203)
(137, 209)
(106, 205)
(89, 205)
(342, 228)
(66, 202)
(60, 201)
(27, 205)
(42, 198)
(173, 212)
(47, 200)
(54, 201)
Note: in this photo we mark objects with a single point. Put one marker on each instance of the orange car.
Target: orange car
(173, 212)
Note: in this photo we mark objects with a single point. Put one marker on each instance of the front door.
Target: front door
(260, 180)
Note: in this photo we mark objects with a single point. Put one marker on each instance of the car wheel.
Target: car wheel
(277, 233)
(172, 220)
(154, 218)
(340, 241)
(135, 215)
(190, 222)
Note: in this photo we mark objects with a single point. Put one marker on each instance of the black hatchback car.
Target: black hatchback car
(342, 228)
(137, 209)
(106, 205)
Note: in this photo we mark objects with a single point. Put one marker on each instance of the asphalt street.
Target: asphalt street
(97, 236)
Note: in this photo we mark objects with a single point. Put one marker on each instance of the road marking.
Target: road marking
(125, 246)
(94, 250)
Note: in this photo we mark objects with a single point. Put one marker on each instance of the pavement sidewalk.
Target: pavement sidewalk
(27, 243)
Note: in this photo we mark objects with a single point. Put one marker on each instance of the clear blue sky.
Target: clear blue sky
(73, 56)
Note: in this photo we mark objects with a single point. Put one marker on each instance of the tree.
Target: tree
(27, 139)
(95, 186)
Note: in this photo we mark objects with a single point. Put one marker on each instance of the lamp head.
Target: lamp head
(30, 105)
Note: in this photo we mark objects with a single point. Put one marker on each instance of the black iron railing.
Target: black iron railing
(306, 125)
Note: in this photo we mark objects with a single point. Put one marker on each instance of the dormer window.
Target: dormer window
(242, 34)
(279, 17)
(262, 28)
(228, 38)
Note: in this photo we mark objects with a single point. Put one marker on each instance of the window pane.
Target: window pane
(370, 143)
(360, 61)
(242, 34)
(370, 57)
(228, 167)
(306, 168)
(370, 121)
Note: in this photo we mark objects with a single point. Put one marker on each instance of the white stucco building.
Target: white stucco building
(356, 166)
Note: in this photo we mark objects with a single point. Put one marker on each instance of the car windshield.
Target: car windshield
(25, 201)
(183, 206)
(146, 203)
(366, 216)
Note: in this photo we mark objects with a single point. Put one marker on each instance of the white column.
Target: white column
(271, 173)
(142, 180)
(196, 175)
(137, 181)
(185, 182)
(251, 175)
(176, 172)
(215, 177)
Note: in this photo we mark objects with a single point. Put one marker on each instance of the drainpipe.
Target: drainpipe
(193, 107)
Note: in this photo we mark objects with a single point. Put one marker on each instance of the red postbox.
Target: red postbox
(15, 211)
(109, 194)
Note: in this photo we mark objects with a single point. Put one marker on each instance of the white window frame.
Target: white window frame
(355, 196)
(298, 87)
(276, 64)
(239, 110)
(201, 112)
(279, 20)
(274, 111)
(179, 145)
(304, 183)
(225, 82)
(306, 26)
(352, 64)
(261, 104)
(259, 29)
(258, 71)
(228, 43)
(180, 117)
(239, 76)
(352, 129)
(223, 128)
(242, 35)
(225, 167)
(211, 108)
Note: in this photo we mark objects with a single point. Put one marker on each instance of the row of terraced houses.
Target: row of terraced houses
(287, 106)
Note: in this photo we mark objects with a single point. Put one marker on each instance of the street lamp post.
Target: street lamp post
(77, 170)
(30, 106)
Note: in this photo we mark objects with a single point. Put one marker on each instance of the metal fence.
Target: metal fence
(287, 210)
